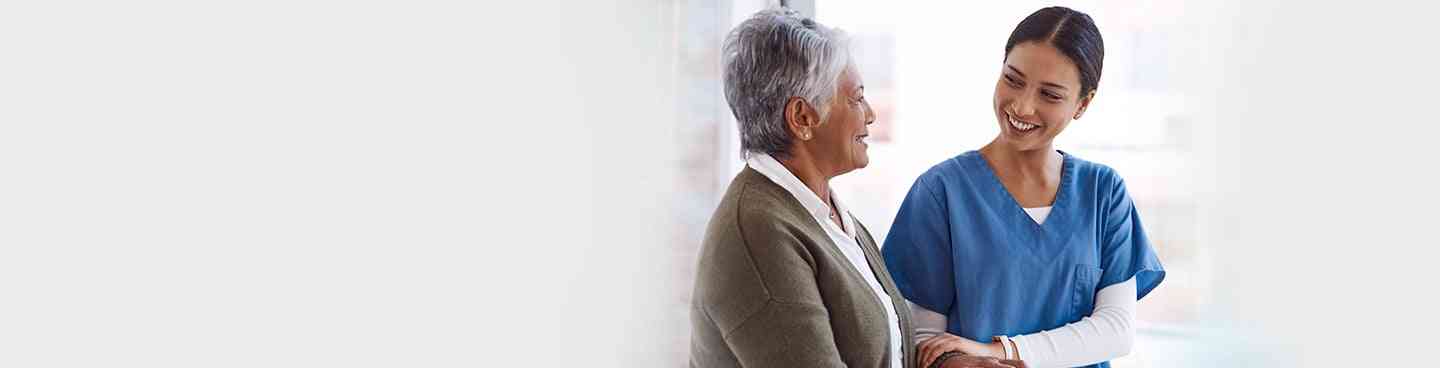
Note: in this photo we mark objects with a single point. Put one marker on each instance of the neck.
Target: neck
(1026, 165)
(805, 169)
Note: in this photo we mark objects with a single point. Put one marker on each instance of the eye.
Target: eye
(1053, 96)
(1013, 82)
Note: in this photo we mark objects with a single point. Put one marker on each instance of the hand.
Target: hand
(932, 348)
(969, 361)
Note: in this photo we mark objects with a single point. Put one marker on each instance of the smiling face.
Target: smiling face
(1036, 97)
(840, 140)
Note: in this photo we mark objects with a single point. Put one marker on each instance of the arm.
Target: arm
(1108, 333)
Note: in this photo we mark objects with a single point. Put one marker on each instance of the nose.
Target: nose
(869, 114)
(1024, 106)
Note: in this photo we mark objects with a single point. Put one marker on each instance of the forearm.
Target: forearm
(1108, 333)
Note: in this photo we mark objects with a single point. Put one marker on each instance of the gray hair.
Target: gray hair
(773, 56)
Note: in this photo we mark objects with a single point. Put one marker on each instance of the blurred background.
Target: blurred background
(441, 183)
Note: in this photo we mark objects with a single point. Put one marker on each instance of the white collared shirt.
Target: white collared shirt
(843, 238)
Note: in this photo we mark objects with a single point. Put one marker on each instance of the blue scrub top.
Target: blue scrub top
(962, 246)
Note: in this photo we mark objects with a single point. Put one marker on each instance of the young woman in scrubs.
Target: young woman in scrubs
(1019, 250)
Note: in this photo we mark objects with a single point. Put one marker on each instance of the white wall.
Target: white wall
(319, 183)
(1324, 205)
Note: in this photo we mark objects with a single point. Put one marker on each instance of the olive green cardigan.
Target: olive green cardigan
(772, 289)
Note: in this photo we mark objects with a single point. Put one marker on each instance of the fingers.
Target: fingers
(970, 361)
(933, 348)
(988, 362)
(924, 352)
(926, 356)
(998, 364)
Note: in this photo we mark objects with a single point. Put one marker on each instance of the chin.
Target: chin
(1025, 144)
(862, 160)
(854, 165)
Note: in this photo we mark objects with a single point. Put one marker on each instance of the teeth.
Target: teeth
(1021, 126)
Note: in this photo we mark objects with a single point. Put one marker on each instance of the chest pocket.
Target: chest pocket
(1083, 290)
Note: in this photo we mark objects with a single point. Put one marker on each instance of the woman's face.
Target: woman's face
(840, 139)
(1036, 97)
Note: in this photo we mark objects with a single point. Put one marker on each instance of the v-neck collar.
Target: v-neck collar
(1057, 208)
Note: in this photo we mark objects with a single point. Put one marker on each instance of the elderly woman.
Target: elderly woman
(787, 277)
(1019, 250)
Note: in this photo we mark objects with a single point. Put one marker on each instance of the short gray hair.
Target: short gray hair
(773, 56)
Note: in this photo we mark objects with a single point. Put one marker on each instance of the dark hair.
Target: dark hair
(1070, 31)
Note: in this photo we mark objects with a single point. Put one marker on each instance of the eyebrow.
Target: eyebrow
(1022, 75)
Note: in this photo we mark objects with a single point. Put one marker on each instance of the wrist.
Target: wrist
(995, 350)
(1004, 347)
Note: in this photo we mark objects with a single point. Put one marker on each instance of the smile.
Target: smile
(1020, 125)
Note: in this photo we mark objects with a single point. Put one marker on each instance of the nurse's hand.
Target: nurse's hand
(932, 348)
(967, 361)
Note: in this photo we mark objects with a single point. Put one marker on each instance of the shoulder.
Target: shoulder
(763, 210)
(1102, 176)
(958, 169)
(757, 223)
(1105, 184)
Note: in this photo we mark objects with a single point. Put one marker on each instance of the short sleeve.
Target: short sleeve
(917, 249)
(1125, 250)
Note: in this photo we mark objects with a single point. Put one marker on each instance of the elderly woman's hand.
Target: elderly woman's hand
(933, 347)
(969, 361)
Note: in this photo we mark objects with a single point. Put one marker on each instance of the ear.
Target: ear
(1084, 104)
(801, 118)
